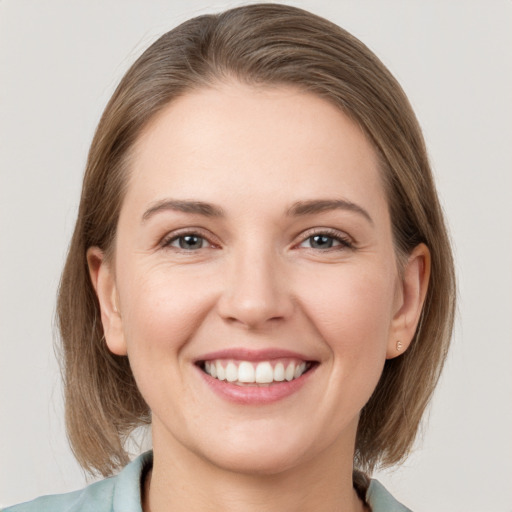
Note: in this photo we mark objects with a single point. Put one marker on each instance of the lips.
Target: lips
(248, 376)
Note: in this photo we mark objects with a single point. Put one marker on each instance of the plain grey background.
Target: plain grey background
(59, 63)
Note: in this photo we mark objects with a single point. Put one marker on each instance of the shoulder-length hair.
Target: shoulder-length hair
(262, 44)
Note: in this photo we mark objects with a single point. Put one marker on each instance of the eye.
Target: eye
(326, 241)
(187, 242)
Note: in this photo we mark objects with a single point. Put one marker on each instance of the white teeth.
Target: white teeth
(290, 372)
(221, 373)
(231, 372)
(299, 370)
(264, 373)
(279, 372)
(245, 372)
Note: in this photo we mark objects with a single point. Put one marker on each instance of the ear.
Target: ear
(103, 280)
(411, 296)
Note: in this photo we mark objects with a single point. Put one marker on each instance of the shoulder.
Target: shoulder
(380, 500)
(97, 497)
(115, 494)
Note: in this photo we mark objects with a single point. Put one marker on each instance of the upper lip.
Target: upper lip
(245, 354)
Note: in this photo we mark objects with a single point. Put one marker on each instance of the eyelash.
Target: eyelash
(344, 241)
(174, 237)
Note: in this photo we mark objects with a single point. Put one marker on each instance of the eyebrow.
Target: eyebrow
(322, 205)
(197, 207)
(299, 208)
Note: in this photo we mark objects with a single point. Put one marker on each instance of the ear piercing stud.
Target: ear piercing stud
(399, 346)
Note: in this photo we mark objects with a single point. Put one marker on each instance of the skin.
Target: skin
(258, 281)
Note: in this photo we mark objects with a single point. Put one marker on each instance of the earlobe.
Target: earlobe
(103, 280)
(414, 286)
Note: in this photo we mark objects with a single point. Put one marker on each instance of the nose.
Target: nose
(255, 293)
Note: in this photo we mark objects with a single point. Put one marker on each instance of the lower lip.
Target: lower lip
(256, 395)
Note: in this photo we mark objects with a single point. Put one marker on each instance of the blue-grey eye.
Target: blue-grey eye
(321, 241)
(188, 242)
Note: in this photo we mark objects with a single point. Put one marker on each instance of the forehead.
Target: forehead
(255, 142)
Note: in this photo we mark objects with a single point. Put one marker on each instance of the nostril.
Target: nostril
(255, 294)
(252, 314)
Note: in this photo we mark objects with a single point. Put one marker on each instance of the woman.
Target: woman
(260, 270)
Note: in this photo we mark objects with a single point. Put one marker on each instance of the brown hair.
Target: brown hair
(267, 44)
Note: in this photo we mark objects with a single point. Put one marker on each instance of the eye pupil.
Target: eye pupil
(321, 242)
(190, 242)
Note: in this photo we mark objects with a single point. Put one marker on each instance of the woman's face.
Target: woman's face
(254, 286)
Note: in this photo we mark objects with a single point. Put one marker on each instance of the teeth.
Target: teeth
(231, 372)
(299, 370)
(221, 373)
(245, 372)
(279, 372)
(263, 372)
(290, 372)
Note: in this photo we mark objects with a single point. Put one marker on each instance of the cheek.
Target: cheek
(160, 309)
(352, 309)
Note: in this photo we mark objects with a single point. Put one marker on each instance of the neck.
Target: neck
(181, 481)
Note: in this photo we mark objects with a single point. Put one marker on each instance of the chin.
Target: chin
(258, 462)
(264, 450)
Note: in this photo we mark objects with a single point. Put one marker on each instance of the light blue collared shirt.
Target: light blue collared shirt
(122, 493)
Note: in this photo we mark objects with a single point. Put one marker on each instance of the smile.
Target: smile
(261, 373)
